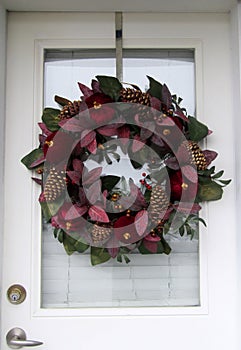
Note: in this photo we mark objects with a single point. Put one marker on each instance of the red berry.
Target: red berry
(144, 174)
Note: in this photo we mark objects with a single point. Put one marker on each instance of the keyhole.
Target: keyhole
(15, 296)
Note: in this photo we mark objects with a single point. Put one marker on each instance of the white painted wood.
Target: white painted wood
(213, 325)
(124, 5)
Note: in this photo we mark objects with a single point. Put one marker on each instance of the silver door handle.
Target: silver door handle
(16, 339)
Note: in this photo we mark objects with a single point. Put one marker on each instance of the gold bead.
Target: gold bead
(126, 235)
(166, 132)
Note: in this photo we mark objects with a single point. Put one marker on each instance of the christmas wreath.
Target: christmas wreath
(88, 148)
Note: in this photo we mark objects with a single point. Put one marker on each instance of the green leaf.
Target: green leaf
(155, 88)
(127, 260)
(225, 182)
(181, 230)
(218, 175)
(68, 246)
(99, 255)
(61, 236)
(167, 249)
(32, 157)
(209, 192)
(109, 181)
(197, 130)
(61, 100)
(49, 209)
(77, 244)
(119, 258)
(51, 118)
(110, 86)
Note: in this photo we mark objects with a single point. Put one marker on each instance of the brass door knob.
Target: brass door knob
(16, 294)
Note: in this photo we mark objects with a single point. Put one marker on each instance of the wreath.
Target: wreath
(114, 129)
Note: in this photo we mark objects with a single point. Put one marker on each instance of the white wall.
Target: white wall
(2, 112)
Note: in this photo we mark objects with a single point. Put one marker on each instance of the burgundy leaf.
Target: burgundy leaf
(113, 252)
(150, 246)
(78, 165)
(94, 191)
(178, 112)
(87, 136)
(44, 129)
(86, 91)
(209, 156)
(92, 147)
(82, 197)
(172, 163)
(75, 212)
(95, 86)
(145, 133)
(155, 103)
(98, 214)
(90, 177)
(124, 134)
(42, 139)
(166, 96)
(141, 222)
(137, 145)
(38, 161)
(190, 173)
(72, 124)
(38, 181)
(74, 176)
(107, 130)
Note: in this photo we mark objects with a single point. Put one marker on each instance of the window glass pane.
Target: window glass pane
(148, 280)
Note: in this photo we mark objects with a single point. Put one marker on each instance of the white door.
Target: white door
(209, 325)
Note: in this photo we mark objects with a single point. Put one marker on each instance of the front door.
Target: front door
(70, 305)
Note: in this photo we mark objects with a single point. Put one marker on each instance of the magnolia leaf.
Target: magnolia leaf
(33, 156)
(109, 182)
(141, 222)
(98, 214)
(91, 176)
(86, 91)
(99, 255)
(155, 89)
(110, 86)
(61, 100)
(209, 192)
(197, 130)
(51, 118)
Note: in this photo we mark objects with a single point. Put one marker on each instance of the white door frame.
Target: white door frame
(235, 84)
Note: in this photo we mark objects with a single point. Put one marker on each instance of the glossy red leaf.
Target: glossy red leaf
(141, 222)
(74, 176)
(87, 136)
(113, 252)
(38, 181)
(155, 103)
(210, 156)
(82, 197)
(95, 86)
(91, 176)
(166, 96)
(75, 212)
(92, 147)
(108, 130)
(180, 114)
(150, 246)
(78, 165)
(98, 214)
(86, 91)
(44, 129)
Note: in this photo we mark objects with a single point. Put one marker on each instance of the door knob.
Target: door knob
(16, 339)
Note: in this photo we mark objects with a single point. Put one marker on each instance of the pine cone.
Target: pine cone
(70, 110)
(158, 203)
(100, 233)
(139, 97)
(54, 185)
(196, 155)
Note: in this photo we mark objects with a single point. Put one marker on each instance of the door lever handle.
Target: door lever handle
(16, 339)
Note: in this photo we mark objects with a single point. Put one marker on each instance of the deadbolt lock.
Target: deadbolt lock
(16, 294)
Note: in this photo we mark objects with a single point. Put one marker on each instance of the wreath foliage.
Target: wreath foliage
(113, 214)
